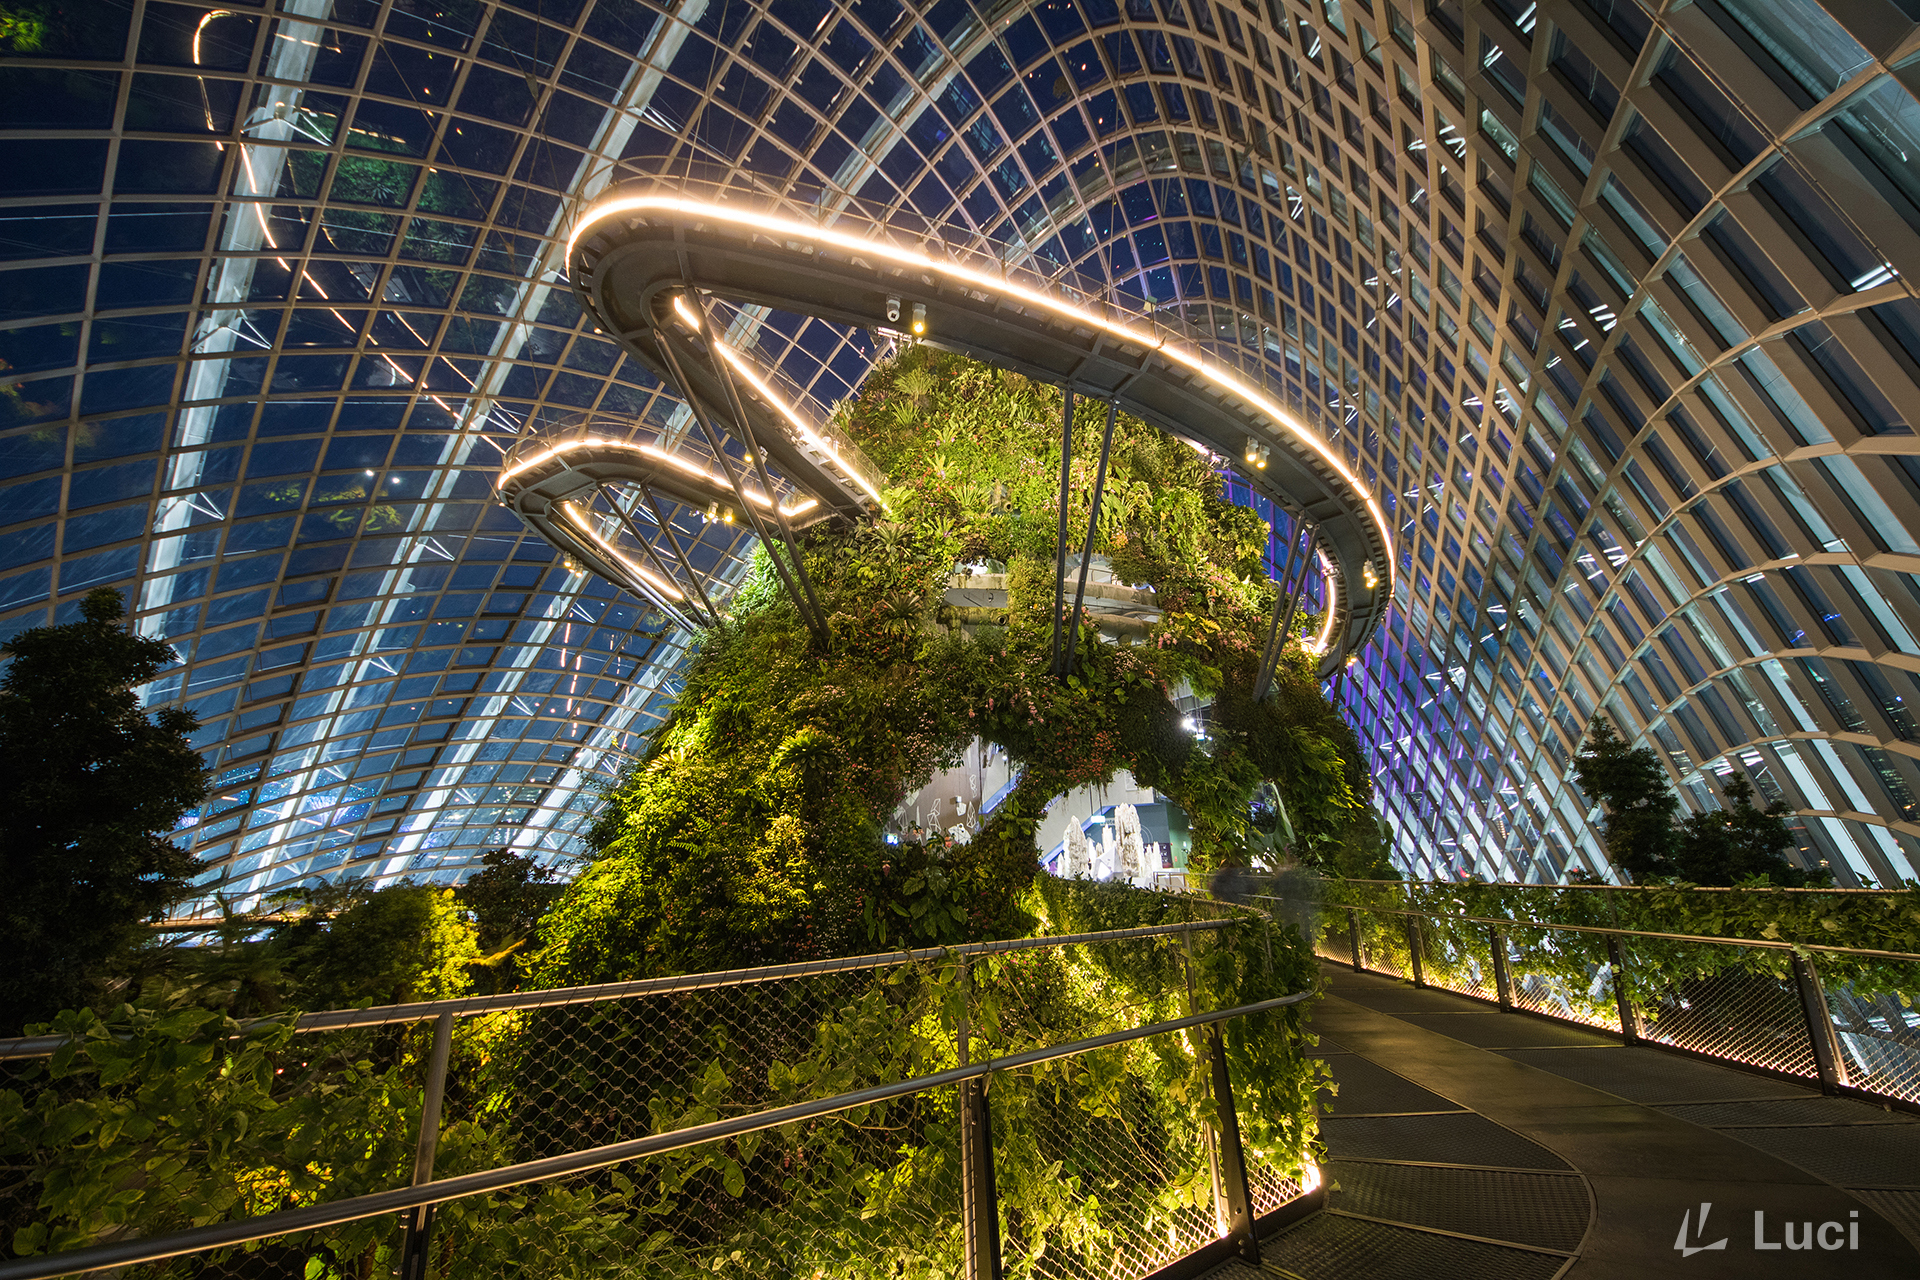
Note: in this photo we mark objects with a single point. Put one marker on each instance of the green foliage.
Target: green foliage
(507, 897)
(1887, 920)
(751, 831)
(89, 788)
(1722, 847)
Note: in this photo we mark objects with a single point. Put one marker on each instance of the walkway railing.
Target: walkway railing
(1050, 1106)
(1841, 1017)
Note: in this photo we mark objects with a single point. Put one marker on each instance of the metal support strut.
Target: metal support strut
(1086, 548)
(1623, 992)
(794, 593)
(1828, 1060)
(415, 1248)
(1283, 631)
(1502, 981)
(1060, 542)
(979, 1194)
(1232, 1161)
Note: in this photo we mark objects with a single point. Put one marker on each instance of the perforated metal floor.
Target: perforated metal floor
(1869, 1156)
(1329, 1246)
(1368, 1089)
(1493, 1029)
(1547, 1210)
(1653, 1077)
(1459, 1139)
(1788, 1111)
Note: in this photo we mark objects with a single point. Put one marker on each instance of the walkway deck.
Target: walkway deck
(1474, 1143)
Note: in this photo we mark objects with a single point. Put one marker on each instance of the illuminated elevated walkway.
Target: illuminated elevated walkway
(644, 264)
(1468, 1142)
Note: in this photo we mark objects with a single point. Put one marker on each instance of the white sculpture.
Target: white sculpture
(1079, 851)
(1132, 850)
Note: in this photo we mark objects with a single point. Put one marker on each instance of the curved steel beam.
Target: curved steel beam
(631, 254)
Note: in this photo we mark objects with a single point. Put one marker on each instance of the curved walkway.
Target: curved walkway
(1473, 1143)
(634, 257)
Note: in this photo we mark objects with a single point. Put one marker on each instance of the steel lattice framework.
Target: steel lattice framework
(1607, 303)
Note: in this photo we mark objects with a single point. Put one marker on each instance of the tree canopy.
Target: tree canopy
(1724, 846)
(90, 787)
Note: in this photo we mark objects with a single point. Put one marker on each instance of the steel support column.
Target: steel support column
(739, 410)
(1298, 589)
(1060, 542)
(416, 1246)
(1086, 548)
(646, 545)
(700, 416)
(1502, 980)
(679, 553)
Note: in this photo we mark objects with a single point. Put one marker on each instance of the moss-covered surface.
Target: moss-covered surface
(751, 832)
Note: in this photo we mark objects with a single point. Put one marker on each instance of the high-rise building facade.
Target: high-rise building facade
(1610, 305)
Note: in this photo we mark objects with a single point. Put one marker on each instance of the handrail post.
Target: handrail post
(979, 1195)
(1353, 939)
(1502, 980)
(1232, 1161)
(1622, 996)
(1414, 949)
(1827, 1058)
(416, 1246)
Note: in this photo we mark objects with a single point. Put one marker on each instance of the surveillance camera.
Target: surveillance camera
(893, 311)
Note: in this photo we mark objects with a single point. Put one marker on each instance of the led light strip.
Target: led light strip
(1326, 625)
(585, 529)
(652, 451)
(789, 229)
(744, 368)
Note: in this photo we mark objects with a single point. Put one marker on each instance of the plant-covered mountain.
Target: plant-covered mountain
(751, 832)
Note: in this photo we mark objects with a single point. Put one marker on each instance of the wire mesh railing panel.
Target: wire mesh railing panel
(1456, 957)
(1101, 1172)
(1105, 1157)
(1876, 1024)
(586, 1075)
(1271, 1186)
(1736, 1003)
(1563, 975)
(1384, 947)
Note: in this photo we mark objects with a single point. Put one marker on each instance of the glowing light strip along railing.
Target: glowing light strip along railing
(788, 229)
(660, 455)
(744, 366)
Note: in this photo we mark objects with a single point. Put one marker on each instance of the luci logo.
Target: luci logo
(1831, 1236)
(1687, 1227)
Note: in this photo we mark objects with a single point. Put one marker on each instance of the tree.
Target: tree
(1720, 847)
(507, 897)
(89, 788)
(1726, 846)
(1631, 782)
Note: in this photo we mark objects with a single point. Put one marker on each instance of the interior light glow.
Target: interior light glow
(780, 228)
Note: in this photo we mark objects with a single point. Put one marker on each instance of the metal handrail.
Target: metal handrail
(1503, 922)
(355, 1208)
(1617, 888)
(554, 997)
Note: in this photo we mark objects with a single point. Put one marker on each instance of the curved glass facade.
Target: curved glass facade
(1611, 305)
